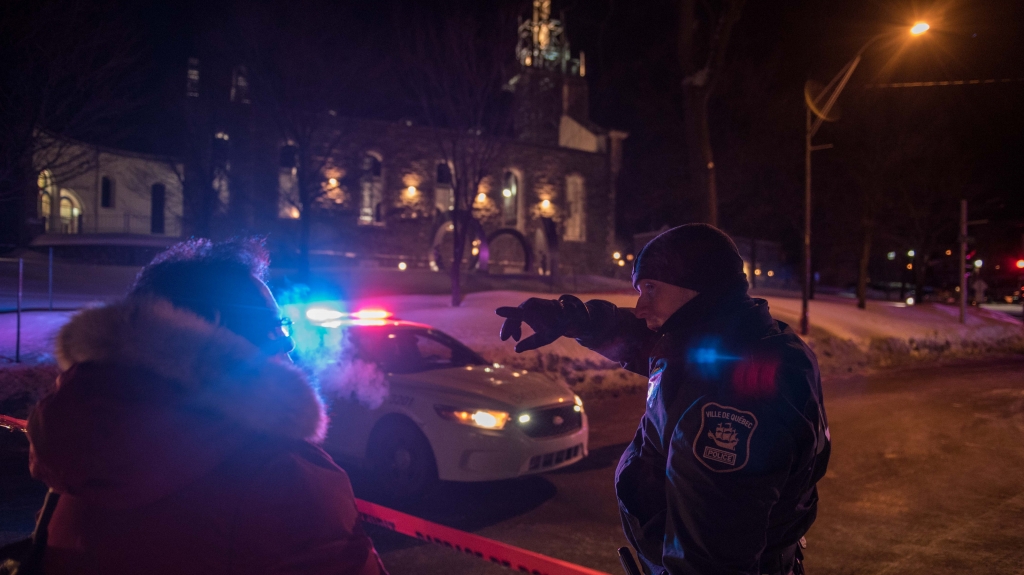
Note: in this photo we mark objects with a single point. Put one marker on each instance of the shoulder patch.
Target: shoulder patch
(722, 443)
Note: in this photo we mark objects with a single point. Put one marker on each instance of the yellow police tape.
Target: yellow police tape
(515, 558)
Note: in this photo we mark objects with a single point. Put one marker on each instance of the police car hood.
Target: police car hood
(515, 388)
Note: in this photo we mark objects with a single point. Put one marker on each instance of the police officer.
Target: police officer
(720, 476)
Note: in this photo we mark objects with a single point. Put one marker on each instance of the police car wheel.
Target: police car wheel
(401, 461)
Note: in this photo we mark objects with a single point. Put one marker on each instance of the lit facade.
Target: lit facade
(84, 189)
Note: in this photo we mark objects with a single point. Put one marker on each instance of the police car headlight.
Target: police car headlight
(482, 418)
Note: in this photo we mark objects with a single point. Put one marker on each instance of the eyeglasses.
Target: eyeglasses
(285, 325)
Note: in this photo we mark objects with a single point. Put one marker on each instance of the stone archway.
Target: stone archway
(442, 240)
(498, 255)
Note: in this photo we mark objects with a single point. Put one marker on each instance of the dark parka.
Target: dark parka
(179, 448)
(720, 477)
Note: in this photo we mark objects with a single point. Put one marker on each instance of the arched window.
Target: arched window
(371, 187)
(288, 203)
(70, 212)
(510, 199)
(576, 206)
(444, 174)
(444, 198)
(47, 193)
(106, 192)
(45, 206)
(158, 200)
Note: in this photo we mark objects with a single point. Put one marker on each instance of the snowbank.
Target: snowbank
(846, 339)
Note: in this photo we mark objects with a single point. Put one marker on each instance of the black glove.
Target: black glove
(549, 319)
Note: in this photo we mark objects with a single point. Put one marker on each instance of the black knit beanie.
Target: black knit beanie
(693, 256)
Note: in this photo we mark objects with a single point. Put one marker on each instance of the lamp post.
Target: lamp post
(818, 107)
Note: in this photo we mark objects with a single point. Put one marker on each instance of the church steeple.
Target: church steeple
(543, 45)
(550, 84)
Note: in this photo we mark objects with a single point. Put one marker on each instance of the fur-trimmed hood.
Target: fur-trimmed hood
(214, 368)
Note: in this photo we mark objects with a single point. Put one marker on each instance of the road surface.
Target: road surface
(926, 478)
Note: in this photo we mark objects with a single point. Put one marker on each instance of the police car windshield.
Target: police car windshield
(410, 350)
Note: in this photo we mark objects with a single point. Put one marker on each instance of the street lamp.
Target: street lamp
(818, 107)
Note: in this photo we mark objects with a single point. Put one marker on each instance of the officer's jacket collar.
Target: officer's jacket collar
(735, 313)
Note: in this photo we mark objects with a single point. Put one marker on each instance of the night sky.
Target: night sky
(756, 113)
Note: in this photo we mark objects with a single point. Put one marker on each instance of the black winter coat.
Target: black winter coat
(721, 473)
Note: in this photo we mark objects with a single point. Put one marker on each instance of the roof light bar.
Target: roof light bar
(371, 314)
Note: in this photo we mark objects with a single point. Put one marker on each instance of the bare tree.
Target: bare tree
(205, 168)
(876, 166)
(458, 68)
(70, 72)
(303, 73)
(704, 32)
(903, 175)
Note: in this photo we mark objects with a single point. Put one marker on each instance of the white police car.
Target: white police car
(445, 412)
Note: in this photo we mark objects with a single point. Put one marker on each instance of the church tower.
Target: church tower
(550, 83)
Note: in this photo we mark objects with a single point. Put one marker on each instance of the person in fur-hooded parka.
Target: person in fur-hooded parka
(180, 447)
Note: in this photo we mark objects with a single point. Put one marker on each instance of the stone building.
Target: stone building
(388, 193)
(547, 203)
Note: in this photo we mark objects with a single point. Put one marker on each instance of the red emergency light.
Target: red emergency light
(1020, 264)
(371, 314)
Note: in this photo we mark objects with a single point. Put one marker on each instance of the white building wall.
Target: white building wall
(132, 175)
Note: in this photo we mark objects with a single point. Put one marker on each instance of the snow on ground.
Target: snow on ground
(845, 338)
(38, 329)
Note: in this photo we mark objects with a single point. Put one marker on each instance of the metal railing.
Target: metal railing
(27, 285)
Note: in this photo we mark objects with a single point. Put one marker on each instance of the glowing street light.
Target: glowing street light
(818, 105)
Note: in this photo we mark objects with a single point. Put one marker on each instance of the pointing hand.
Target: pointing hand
(549, 319)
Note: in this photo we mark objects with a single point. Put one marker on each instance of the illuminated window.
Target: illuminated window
(444, 197)
(106, 192)
(47, 191)
(288, 202)
(222, 184)
(192, 78)
(70, 212)
(576, 205)
(45, 205)
(239, 85)
(158, 200)
(371, 187)
(510, 199)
